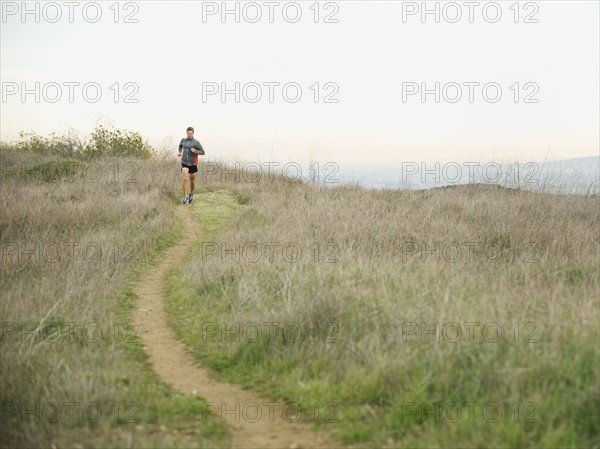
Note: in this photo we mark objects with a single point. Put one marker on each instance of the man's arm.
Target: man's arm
(180, 147)
(198, 148)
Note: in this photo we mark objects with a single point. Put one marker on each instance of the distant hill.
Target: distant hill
(572, 176)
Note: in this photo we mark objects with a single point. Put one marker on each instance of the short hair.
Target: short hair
(189, 129)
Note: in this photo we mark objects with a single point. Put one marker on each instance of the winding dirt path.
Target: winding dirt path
(253, 421)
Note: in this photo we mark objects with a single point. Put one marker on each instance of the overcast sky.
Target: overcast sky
(360, 68)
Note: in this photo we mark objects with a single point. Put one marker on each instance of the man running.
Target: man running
(189, 149)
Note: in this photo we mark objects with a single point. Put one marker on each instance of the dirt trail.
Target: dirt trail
(172, 361)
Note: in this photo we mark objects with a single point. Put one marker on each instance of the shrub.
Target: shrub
(103, 141)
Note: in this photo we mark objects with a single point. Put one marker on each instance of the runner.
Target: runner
(189, 149)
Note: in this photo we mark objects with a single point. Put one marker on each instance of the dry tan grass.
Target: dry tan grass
(51, 229)
(536, 263)
(546, 273)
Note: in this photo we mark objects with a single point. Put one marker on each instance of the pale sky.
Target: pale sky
(371, 54)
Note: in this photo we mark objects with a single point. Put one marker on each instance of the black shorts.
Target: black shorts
(193, 168)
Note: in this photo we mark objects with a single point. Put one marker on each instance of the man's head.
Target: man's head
(190, 132)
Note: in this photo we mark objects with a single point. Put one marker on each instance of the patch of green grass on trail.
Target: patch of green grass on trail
(216, 210)
(213, 210)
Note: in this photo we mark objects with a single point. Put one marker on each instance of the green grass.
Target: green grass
(62, 169)
(172, 418)
(359, 367)
(112, 372)
(178, 420)
(543, 379)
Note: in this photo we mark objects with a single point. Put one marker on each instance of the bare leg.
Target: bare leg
(192, 182)
(185, 173)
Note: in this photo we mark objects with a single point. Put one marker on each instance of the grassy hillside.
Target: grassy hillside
(74, 234)
(463, 317)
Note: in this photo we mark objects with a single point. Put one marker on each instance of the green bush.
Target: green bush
(115, 142)
(103, 141)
